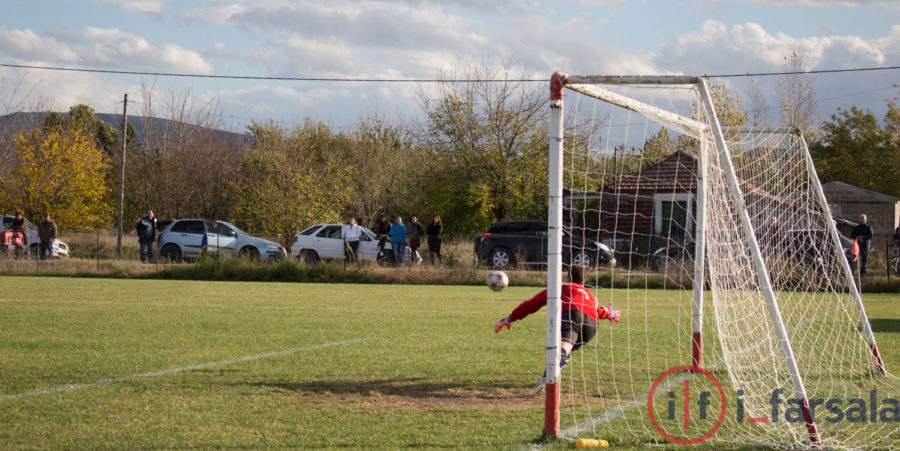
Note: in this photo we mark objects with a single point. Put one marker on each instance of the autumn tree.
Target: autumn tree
(60, 171)
(856, 148)
(293, 179)
(487, 142)
(798, 101)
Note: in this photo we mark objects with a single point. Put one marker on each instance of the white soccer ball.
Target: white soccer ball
(497, 280)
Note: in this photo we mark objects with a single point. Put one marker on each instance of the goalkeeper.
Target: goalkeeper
(580, 315)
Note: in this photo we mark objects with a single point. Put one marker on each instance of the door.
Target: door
(222, 239)
(329, 243)
(189, 235)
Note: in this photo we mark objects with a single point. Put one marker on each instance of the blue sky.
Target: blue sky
(419, 39)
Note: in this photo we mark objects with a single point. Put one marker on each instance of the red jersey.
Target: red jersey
(574, 297)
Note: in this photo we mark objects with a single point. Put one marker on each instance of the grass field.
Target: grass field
(111, 363)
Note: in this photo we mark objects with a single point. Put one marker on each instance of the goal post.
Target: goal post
(696, 211)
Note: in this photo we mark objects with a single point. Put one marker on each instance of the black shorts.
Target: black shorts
(577, 328)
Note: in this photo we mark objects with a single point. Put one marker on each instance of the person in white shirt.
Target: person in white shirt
(350, 233)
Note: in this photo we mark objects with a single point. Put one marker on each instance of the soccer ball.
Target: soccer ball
(497, 280)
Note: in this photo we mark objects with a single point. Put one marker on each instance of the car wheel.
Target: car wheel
(249, 252)
(171, 252)
(502, 258)
(582, 259)
(309, 257)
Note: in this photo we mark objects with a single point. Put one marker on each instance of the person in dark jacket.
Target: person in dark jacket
(434, 231)
(47, 234)
(146, 231)
(414, 233)
(382, 230)
(862, 233)
(18, 225)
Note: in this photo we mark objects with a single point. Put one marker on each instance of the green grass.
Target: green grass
(188, 364)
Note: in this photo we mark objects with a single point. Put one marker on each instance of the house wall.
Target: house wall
(883, 216)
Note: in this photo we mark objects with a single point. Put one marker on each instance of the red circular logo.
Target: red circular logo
(669, 437)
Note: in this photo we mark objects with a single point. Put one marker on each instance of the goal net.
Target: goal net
(741, 322)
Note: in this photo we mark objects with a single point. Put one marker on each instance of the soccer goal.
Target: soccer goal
(741, 322)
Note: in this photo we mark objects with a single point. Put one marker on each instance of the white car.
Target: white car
(324, 241)
(60, 249)
(183, 238)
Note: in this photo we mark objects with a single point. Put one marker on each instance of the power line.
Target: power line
(403, 80)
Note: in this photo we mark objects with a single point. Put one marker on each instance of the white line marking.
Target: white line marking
(199, 366)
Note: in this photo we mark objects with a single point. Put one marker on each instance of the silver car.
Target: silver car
(60, 249)
(183, 239)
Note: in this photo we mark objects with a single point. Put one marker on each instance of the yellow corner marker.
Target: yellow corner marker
(591, 443)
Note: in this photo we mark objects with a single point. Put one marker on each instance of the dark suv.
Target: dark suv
(524, 242)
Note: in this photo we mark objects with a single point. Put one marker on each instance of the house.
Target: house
(848, 202)
(658, 200)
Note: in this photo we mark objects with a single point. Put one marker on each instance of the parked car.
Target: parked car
(182, 240)
(524, 242)
(801, 246)
(324, 241)
(674, 253)
(60, 249)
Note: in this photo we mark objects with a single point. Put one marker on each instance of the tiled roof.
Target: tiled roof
(676, 172)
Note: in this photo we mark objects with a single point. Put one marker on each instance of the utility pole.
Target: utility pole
(122, 177)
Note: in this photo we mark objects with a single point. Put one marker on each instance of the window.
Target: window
(223, 229)
(673, 214)
(194, 227)
(309, 230)
(333, 231)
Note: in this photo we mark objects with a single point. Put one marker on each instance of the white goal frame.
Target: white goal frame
(589, 85)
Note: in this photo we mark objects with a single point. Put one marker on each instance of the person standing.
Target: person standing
(146, 231)
(350, 233)
(382, 230)
(415, 233)
(18, 225)
(862, 233)
(398, 240)
(47, 234)
(434, 231)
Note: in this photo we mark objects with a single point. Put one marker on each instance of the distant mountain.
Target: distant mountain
(141, 124)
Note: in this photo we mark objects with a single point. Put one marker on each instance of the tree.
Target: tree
(798, 99)
(59, 171)
(488, 148)
(856, 149)
(292, 179)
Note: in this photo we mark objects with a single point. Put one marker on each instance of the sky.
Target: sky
(421, 39)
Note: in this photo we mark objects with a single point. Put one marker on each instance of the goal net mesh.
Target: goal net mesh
(630, 182)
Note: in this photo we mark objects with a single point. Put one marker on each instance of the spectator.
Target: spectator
(18, 225)
(398, 240)
(895, 238)
(146, 231)
(862, 234)
(415, 233)
(434, 231)
(47, 235)
(350, 233)
(382, 230)
(204, 241)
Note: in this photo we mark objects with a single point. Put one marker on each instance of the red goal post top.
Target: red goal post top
(559, 80)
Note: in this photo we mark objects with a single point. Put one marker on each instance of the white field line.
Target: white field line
(199, 366)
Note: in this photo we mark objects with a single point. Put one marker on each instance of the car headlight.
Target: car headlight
(601, 246)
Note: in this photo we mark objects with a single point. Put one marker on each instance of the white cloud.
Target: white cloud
(105, 48)
(144, 6)
(27, 45)
(717, 48)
